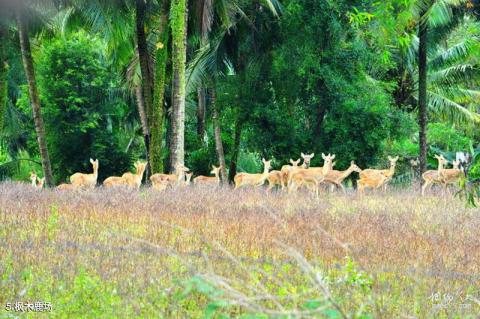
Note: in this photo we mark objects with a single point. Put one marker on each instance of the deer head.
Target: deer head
(306, 159)
(215, 170)
(94, 165)
(295, 163)
(393, 160)
(266, 165)
(354, 167)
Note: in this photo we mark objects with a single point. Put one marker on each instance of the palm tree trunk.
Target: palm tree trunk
(179, 36)
(236, 150)
(144, 59)
(422, 93)
(34, 98)
(144, 122)
(201, 114)
(218, 137)
(158, 114)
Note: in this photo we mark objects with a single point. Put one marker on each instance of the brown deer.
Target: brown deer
(275, 178)
(310, 177)
(431, 177)
(209, 179)
(285, 171)
(256, 180)
(388, 173)
(66, 187)
(86, 180)
(451, 175)
(373, 180)
(336, 178)
(135, 180)
(36, 181)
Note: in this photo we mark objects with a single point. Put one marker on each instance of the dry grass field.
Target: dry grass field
(216, 253)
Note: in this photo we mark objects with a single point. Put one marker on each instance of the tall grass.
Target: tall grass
(207, 252)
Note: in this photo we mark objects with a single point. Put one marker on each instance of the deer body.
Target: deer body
(135, 180)
(274, 178)
(160, 180)
(431, 177)
(373, 180)
(256, 180)
(285, 171)
(337, 177)
(36, 181)
(311, 177)
(86, 180)
(209, 179)
(388, 173)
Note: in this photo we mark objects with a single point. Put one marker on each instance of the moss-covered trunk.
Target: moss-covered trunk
(218, 136)
(3, 77)
(422, 92)
(179, 16)
(158, 108)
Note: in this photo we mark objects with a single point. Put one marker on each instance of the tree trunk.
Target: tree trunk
(201, 114)
(218, 137)
(34, 98)
(179, 36)
(422, 93)
(158, 114)
(143, 57)
(145, 130)
(236, 150)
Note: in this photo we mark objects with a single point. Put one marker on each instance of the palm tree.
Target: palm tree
(33, 92)
(179, 16)
(3, 75)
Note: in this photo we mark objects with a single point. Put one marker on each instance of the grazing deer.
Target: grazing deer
(431, 177)
(388, 173)
(135, 180)
(310, 177)
(256, 180)
(36, 181)
(159, 179)
(86, 180)
(337, 177)
(209, 179)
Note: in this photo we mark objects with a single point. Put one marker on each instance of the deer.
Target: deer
(209, 179)
(275, 178)
(36, 181)
(135, 180)
(374, 180)
(285, 171)
(256, 180)
(159, 179)
(312, 176)
(388, 173)
(86, 180)
(306, 164)
(431, 177)
(451, 175)
(336, 178)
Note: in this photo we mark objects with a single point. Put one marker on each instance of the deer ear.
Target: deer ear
(323, 156)
(397, 157)
(352, 163)
(302, 155)
(333, 156)
(312, 155)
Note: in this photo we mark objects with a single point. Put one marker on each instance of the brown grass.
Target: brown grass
(412, 247)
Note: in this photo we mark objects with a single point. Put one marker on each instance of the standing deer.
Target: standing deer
(388, 173)
(285, 171)
(256, 180)
(86, 180)
(209, 179)
(135, 180)
(451, 175)
(36, 181)
(310, 177)
(431, 177)
(374, 180)
(336, 178)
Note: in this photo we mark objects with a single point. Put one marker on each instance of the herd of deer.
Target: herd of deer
(289, 177)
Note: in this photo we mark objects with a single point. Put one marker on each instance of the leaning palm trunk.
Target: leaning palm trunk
(218, 137)
(34, 98)
(178, 13)
(156, 151)
(422, 91)
(201, 114)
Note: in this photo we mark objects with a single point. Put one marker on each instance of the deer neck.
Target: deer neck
(217, 176)
(346, 173)
(34, 181)
(392, 170)
(440, 166)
